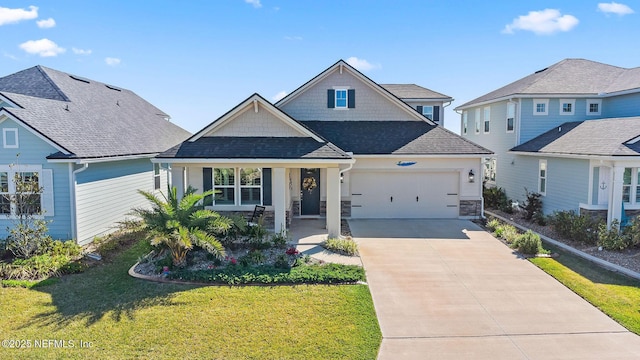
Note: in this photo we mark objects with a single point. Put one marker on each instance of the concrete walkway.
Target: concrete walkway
(308, 234)
(446, 289)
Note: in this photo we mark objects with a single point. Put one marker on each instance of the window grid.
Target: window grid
(511, 115)
(542, 177)
(487, 119)
(465, 121)
(341, 98)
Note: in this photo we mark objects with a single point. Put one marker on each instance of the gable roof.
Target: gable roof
(395, 138)
(255, 100)
(414, 92)
(85, 118)
(235, 147)
(341, 66)
(604, 137)
(569, 76)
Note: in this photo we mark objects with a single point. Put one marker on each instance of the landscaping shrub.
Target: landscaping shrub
(493, 224)
(576, 227)
(38, 267)
(268, 274)
(254, 257)
(633, 231)
(528, 243)
(507, 232)
(279, 239)
(532, 206)
(496, 198)
(346, 246)
(612, 238)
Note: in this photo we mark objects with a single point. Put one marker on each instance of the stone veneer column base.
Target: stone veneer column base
(470, 208)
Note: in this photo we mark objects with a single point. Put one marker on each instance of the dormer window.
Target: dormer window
(341, 97)
(10, 138)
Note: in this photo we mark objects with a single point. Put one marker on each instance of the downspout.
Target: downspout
(341, 173)
(72, 192)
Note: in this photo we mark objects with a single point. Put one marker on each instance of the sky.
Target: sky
(196, 60)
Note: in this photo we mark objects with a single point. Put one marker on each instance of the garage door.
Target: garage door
(404, 195)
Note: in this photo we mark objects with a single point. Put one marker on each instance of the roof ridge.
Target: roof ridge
(48, 78)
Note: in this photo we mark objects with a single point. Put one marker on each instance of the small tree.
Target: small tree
(179, 224)
(28, 233)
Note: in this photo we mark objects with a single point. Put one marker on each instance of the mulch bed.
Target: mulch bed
(628, 258)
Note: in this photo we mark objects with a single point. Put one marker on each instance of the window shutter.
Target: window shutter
(207, 184)
(47, 193)
(351, 97)
(266, 187)
(331, 98)
(436, 113)
(419, 109)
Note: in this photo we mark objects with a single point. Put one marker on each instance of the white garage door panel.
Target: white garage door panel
(404, 195)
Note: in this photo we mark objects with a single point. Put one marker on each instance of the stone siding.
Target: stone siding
(470, 208)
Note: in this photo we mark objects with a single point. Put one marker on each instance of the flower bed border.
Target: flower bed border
(603, 263)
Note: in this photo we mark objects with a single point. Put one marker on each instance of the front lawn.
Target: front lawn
(614, 294)
(116, 317)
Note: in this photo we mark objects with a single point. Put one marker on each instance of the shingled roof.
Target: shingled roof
(394, 137)
(231, 147)
(87, 118)
(605, 137)
(569, 76)
(413, 91)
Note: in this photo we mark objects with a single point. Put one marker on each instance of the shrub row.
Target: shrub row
(528, 243)
(576, 227)
(268, 274)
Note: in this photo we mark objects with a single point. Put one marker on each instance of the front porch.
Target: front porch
(615, 191)
(311, 191)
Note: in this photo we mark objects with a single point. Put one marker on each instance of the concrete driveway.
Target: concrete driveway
(446, 289)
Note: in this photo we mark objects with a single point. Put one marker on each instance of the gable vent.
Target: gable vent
(80, 79)
(112, 88)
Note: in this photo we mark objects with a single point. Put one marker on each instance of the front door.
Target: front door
(310, 191)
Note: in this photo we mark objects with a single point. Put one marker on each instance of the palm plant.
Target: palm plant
(181, 224)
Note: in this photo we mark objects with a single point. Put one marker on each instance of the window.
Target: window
(10, 138)
(30, 201)
(542, 177)
(156, 176)
(594, 106)
(511, 116)
(5, 197)
(465, 120)
(490, 170)
(428, 112)
(567, 106)
(250, 186)
(341, 98)
(477, 118)
(631, 185)
(224, 186)
(487, 119)
(540, 106)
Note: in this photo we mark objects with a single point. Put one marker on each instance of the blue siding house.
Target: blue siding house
(568, 132)
(88, 144)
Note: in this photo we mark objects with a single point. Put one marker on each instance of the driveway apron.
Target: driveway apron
(446, 289)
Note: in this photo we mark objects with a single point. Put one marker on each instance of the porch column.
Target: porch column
(333, 202)
(278, 194)
(178, 179)
(615, 201)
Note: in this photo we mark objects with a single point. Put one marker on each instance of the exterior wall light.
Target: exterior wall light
(472, 176)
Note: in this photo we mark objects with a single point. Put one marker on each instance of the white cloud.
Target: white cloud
(81, 51)
(12, 16)
(42, 47)
(362, 64)
(256, 3)
(615, 8)
(10, 56)
(293, 38)
(275, 98)
(545, 22)
(112, 61)
(46, 24)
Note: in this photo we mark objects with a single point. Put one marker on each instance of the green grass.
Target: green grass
(129, 318)
(614, 294)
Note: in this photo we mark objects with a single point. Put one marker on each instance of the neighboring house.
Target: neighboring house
(568, 132)
(427, 102)
(339, 146)
(86, 143)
